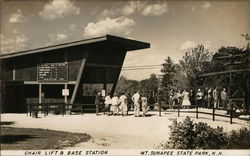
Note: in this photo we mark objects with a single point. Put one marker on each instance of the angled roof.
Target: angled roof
(128, 43)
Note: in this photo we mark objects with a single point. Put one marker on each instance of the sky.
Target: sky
(171, 27)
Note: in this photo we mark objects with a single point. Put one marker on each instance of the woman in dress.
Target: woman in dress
(144, 104)
(186, 101)
(123, 104)
(115, 105)
(107, 103)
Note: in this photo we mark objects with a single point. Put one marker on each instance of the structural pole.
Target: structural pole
(105, 81)
(196, 111)
(79, 77)
(40, 93)
(117, 76)
(65, 96)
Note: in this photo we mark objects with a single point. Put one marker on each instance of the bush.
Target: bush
(239, 139)
(189, 135)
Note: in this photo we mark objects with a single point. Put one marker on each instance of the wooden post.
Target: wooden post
(14, 72)
(65, 96)
(231, 115)
(47, 108)
(62, 108)
(160, 109)
(40, 97)
(2, 86)
(30, 109)
(40, 93)
(196, 111)
(213, 113)
(105, 82)
(178, 110)
(97, 109)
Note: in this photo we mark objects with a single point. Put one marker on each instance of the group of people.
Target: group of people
(116, 105)
(208, 98)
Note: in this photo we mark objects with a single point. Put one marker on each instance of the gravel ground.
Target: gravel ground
(117, 132)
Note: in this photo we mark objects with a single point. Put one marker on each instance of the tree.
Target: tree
(180, 78)
(125, 85)
(168, 80)
(194, 63)
(149, 86)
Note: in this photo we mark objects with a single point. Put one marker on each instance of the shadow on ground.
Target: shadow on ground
(7, 123)
(10, 139)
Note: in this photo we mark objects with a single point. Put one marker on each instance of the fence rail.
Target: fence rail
(61, 108)
(197, 112)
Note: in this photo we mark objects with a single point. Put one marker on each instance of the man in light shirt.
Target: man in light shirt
(224, 98)
(216, 98)
(136, 100)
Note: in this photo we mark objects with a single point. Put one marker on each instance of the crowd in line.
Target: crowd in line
(209, 98)
(120, 105)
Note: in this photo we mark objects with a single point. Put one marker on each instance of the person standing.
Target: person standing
(115, 104)
(136, 100)
(123, 104)
(216, 98)
(144, 103)
(171, 98)
(178, 97)
(107, 103)
(224, 98)
(186, 101)
(199, 97)
(209, 98)
(192, 97)
(98, 102)
(130, 102)
(205, 103)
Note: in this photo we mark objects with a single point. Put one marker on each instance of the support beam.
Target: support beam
(105, 83)
(79, 77)
(14, 72)
(40, 93)
(65, 96)
(224, 72)
(117, 76)
(2, 86)
(56, 83)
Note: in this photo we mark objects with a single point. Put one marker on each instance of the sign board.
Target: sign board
(52, 72)
(65, 92)
(103, 93)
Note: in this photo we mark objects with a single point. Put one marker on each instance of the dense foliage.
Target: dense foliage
(147, 86)
(194, 63)
(189, 135)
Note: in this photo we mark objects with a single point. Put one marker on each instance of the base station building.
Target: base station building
(63, 73)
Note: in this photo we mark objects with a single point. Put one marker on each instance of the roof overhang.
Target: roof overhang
(129, 44)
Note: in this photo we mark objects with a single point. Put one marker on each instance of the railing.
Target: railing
(61, 108)
(34, 109)
(197, 112)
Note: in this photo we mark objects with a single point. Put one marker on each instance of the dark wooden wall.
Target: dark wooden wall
(25, 70)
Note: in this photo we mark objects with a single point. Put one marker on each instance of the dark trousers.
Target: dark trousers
(199, 102)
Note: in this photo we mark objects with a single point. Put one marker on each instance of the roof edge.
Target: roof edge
(136, 45)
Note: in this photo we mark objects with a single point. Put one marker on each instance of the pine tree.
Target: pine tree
(168, 80)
